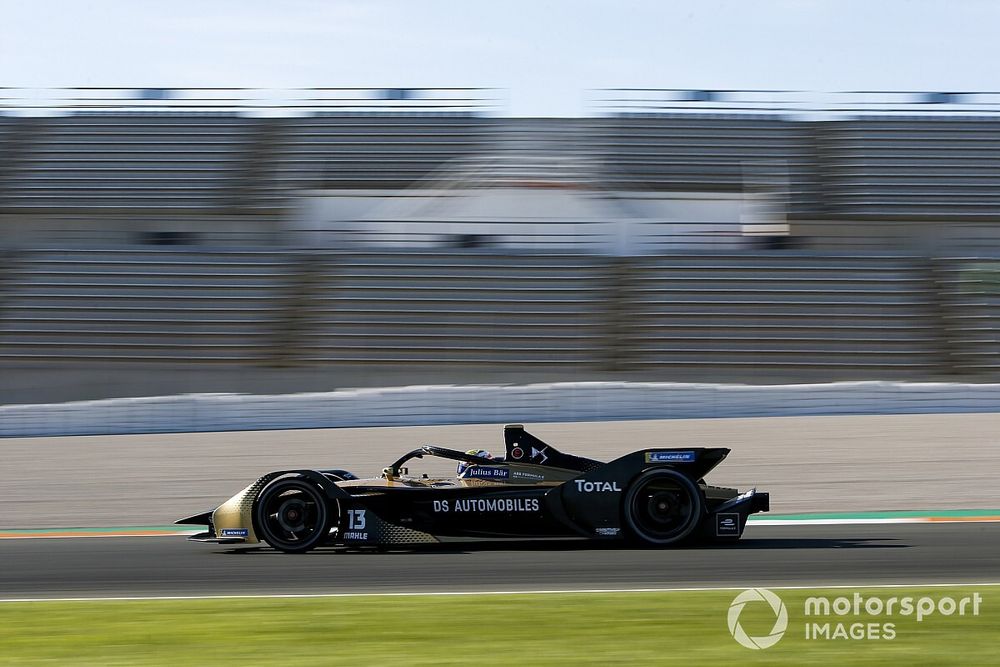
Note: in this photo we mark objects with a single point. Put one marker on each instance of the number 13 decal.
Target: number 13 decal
(356, 519)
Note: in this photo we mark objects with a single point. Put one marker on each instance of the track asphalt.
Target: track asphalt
(895, 553)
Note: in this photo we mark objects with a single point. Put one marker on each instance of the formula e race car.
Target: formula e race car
(653, 497)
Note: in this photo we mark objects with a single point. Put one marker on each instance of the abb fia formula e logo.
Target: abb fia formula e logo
(780, 618)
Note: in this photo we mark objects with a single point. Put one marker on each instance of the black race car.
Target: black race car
(655, 497)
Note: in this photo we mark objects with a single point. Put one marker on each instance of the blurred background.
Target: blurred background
(229, 227)
(161, 240)
(280, 235)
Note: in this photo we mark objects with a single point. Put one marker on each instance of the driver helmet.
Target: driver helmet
(464, 465)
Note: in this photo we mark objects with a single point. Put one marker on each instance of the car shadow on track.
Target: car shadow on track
(550, 545)
(813, 543)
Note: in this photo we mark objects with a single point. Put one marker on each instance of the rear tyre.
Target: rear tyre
(292, 515)
(662, 507)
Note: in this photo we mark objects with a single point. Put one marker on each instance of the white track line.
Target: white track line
(843, 522)
(754, 522)
(862, 522)
(294, 596)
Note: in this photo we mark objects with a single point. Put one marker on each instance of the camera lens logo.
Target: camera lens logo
(780, 618)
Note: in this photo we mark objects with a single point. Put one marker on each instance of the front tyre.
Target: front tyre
(662, 507)
(292, 515)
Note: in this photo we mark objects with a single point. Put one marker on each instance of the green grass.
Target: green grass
(555, 629)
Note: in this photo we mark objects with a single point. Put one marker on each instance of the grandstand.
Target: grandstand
(144, 305)
(696, 152)
(776, 310)
(670, 235)
(370, 151)
(941, 168)
(854, 163)
(127, 162)
(458, 308)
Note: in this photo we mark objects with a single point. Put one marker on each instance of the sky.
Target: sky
(544, 55)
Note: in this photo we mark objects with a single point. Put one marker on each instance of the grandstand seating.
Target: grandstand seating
(128, 161)
(970, 293)
(371, 150)
(8, 153)
(781, 310)
(143, 305)
(765, 311)
(688, 152)
(904, 167)
(466, 307)
(890, 167)
(195, 279)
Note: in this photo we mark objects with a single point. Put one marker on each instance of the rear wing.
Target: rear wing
(695, 462)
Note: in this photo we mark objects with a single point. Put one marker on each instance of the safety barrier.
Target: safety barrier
(560, 402)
